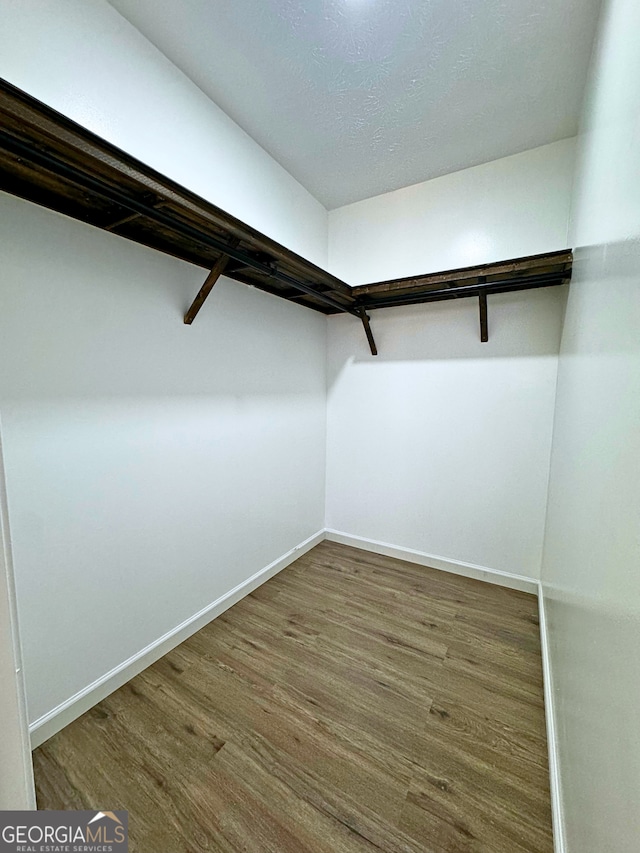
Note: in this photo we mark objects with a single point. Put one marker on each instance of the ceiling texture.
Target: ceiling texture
(360, 97)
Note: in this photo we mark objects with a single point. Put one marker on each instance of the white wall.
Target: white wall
(151, 466)
(591, 571)
(16, 773)
(441, 443)
(505, 209)
(82, 58)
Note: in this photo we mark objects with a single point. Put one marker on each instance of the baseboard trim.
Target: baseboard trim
(469, 570)
(65, 713)
(557, 813)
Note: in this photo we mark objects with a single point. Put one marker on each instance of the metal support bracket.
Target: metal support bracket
(367, 330)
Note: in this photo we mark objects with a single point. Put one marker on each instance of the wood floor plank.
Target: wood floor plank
(352, 704)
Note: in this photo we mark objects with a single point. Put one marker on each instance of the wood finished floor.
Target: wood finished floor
(352, 704)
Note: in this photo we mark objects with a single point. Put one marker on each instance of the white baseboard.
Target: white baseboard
(468, 570)
(559, 840)
(65, 713)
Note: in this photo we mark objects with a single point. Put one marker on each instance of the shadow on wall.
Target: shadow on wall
(617, 263)
(526, 325)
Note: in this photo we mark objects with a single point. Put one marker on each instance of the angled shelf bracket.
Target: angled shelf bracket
(207, 287)
(367, 330)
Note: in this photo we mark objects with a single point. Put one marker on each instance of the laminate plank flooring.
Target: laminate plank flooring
(352, 704)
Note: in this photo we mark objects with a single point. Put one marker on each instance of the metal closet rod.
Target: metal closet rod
(82, 179)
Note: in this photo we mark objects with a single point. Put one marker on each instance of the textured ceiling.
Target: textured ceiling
(359, 97)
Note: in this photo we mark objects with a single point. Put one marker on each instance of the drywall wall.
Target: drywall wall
(591, 569)
(504, 209)
(83, 58)
(151, 466)
(441, 443)
(16, 773)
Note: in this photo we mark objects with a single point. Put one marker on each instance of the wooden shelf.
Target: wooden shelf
(50, 160)
(544, 270)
